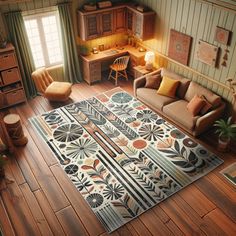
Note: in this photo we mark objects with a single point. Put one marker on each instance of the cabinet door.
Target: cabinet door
(92, 26)
(106, 23)
(138, 26)
(130, 21)
(119, 20)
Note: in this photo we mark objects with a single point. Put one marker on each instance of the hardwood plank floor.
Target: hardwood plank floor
(37, 197)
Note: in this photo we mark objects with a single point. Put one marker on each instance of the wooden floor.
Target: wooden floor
(37, 198)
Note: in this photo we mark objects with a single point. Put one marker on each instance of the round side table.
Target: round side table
(14, 129)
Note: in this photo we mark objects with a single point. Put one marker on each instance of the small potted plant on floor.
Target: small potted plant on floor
(227, 131)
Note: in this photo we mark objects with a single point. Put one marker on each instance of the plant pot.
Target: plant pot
(223, 144)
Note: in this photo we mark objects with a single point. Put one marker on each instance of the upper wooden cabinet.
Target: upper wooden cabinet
(143, 25)
(106, 23)
(119, 20)
(116, 19)
(92, 26)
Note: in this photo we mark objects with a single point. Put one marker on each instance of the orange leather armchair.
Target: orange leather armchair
(50, 89)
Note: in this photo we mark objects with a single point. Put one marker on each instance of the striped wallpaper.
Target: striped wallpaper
(199, 20)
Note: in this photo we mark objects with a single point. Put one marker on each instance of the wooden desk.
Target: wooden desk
(92, 64)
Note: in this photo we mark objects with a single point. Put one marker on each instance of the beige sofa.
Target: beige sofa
(175, 109)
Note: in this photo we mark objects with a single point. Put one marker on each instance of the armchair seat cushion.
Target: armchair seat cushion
(151, 97)
(178, 111)
(58, 91)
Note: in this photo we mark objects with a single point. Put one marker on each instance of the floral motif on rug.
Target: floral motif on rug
(121, 156)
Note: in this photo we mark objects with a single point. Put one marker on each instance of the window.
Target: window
(45, 43)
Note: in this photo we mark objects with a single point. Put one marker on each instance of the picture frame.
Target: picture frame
(179, 46)
(222, 35)
(207, 53)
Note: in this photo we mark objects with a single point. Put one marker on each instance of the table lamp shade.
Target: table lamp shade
(149, 58)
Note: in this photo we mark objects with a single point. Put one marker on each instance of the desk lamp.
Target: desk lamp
(149, 58)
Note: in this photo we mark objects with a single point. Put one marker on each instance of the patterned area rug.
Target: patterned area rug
(122, 157)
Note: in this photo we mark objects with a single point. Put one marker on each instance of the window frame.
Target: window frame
(38, 17)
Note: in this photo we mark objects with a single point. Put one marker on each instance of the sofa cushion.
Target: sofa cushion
(195, 88)
(150, 96)
(195, 105)
(206, 107)
(178, 112)
(183, 85)
(168, 87)
(153, 81)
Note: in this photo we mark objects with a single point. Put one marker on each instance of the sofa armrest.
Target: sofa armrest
(140, 82)
(207, 120)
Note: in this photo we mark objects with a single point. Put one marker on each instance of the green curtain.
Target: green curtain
(71, 61)
(19, 39)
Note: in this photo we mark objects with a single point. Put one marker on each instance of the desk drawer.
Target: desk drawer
(95, 66)
(15, 97)
(7, 60)
(10, 76)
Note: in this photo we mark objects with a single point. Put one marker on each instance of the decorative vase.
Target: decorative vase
(223, 144)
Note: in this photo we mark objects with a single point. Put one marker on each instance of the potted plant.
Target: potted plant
(227, 131)
(3, 40)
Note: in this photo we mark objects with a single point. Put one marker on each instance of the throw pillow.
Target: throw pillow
(168, 87)
(195, 105)
(153, 81)
(206, 107)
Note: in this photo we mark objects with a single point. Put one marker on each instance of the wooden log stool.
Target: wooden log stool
(14, 129)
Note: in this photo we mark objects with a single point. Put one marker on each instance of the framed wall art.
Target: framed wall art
(179, 46)
(207, 53)
(222, 35)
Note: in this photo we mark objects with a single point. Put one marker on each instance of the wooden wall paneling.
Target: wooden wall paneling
(196, 64)
(186, 17)
(18, 211)
(179, 15)
(79, 204)
(198, 20)
(5, 222)
(36, 210)
(48, 213)
(70, 222)
(168, 5)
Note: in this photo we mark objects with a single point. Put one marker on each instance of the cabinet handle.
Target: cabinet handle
(9, 71)
(5, 56)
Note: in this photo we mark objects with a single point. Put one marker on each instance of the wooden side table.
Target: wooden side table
(140, 71)
(14, 129)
